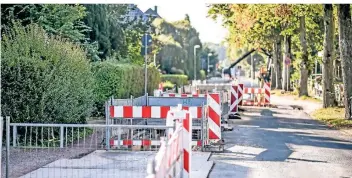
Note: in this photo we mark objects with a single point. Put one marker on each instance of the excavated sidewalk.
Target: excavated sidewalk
(101, 164)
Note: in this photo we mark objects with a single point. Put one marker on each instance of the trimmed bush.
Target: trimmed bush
(168, 85)
(179, 80)
(202, 75)
(44, 79)
(121, 81)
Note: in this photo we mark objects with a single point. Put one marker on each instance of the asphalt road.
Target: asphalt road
(282, 143)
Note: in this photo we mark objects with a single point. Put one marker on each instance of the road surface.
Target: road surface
(277, 143)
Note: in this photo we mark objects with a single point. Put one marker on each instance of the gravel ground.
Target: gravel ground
(23, 161)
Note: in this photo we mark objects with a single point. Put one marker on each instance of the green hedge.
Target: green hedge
(202, 75)
(121, 81)
(44, 79)
(168, 85)
(179, 80)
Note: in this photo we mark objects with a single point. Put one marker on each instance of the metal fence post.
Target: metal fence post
(351, 107)
(7, 145)
(202, 128)
(61, 136)
(107, 123)
(147, 98)
(14, 136)
(119, 137)
(1, 129)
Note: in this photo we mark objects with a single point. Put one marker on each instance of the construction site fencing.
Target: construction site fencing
(79, 150)
(174, 156)
(140, 101)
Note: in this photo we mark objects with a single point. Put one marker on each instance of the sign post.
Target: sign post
(146, 41)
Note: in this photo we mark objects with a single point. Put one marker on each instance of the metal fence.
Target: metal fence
(1, 130)
(140, 101)
(79, 150)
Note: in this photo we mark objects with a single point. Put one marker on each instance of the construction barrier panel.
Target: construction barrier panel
(261, 96)
(148, 112)
(267, 93)
(234, 100)
(182, 95)
(214, 116)
(240, 94)
(174, 156)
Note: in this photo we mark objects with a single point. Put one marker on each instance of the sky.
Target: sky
(209, 30)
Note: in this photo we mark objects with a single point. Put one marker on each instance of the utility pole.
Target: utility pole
(209, 54)
(195, 64)
(145, 65)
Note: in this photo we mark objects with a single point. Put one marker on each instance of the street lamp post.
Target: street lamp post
(209, 54)
(194, 62)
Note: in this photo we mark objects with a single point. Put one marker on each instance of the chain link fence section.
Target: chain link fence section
(77, 150)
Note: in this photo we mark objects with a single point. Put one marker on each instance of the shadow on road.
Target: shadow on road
(275, 134)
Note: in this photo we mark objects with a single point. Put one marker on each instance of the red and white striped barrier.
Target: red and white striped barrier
(240, 94)
(267, 93)
(182, 95)
(144, 142)
(187, 145)
(234, 100)
(262, 96)
(129, 142)
(148, 112)
(178, 148)
(252, 103)
(253, 91)
(214, 116)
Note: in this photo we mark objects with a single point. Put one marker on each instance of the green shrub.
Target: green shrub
(44, 79)
(168, 85)
(179, 80)
(121, 81)
(202, 75)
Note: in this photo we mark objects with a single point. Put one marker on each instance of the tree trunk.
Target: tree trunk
(345, 43)
(286, 68)
(303, 81)
(277, 63)
(328, 68)
(273, 73)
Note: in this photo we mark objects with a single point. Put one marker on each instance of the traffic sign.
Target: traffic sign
(287, 60)
(146, 40)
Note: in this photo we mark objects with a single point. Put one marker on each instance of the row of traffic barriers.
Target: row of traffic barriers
(175, 154)
(258, 97)
(205, 110)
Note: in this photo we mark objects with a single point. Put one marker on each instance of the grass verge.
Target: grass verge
(333, 117)
(283, 93)
(295, 95)
(308, 98)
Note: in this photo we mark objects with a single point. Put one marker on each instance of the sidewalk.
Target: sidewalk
(308, 106)
(103, 164)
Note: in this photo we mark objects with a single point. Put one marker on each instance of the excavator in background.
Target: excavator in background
(264, 72)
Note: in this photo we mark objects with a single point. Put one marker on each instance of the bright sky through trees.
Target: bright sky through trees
(209, 31)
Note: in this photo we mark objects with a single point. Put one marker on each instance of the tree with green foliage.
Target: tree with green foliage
(176, 43)
(56, 19)
(44, 78)
(266, 26)
(104, 20)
